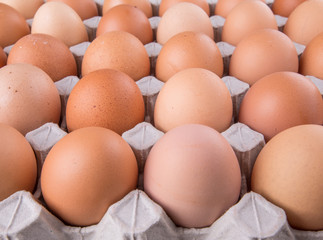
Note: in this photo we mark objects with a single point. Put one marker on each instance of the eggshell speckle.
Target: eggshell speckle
(166, 4)
(193, 173)
(143, 5)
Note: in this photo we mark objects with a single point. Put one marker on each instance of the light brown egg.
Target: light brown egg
(3, 57)
(86, 172)
(288, 173)
(311, 60)
(165, 4)
(263, 52)
(27, 8)
(85, 8)
(305, 22)
(188, 50)
(129, 19)
(193, 173)
(223, 7)
(284, 8)
(182, 17)
(29, 97)
(117, 50)
(105, 98)
(18, 167)
(12, 24)
(279, 101)
(193, 95)
(46, 52)
(246, 17)
(61, 21)
(143, 5)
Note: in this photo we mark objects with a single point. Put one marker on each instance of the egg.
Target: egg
(29, 97)
(3, 57)
(193, 95)
(284, 8)
(184, 16)
(12, 24)
(223, 7)
(117, 50)
(288, 173)
(105, 98)
(263, 52)
(305, 22)
(129, 19)
(143, 5)
(279, 101)
(85, 8)
(46, 52)
(18, 167)
(27, 8)
(165, 4)
(86, 172)
(311, 61)
(188, 50)
(61, 21)
(193, 174)
(246, 17)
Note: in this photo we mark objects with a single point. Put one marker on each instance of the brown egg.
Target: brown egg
(61, 21)
(129, 19)
(284, 8)
(85, 8)
(165, 4)
(18, 167)
(263, 52)
(12, 24)
(3, 58)
(223, 7)
(29, 97)
(279, 101)
(46, 52)
(246, 17)
(182, 17)
(305, 22)
(105, 98)
(86, 172)
(188, 50)
(311, 60)
(143, 5)
(288, 173)
(193, 173)
(27, 8)
(193, 95)
(117, 50)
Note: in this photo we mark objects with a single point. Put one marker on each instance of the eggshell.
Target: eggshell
(165, 4)
(18, 167)
(223, 7)
(61, 21)
(311, 60)
(279, 101)
(246, 17)
(27, 8)
(193, 173)
(184, 16)
(3, 58)
(85, 8)
(284, 8)
(263, 52)
(305, 22)
(29, 97)
(86, 172)
(12, 24)
(188, 50)
(117, 50)
(288, 173)
(129, 19)
(105, 98)
(46, 52)
(193, 95)
(143, 5)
